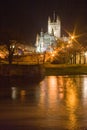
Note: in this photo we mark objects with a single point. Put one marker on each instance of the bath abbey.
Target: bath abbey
(46, 41)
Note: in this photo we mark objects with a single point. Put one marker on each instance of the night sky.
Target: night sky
(23, 19)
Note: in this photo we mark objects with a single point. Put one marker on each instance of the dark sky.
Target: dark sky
(23, 19)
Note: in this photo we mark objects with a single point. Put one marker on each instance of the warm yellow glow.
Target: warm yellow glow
(53, 54)
(69, 41)
(71, 98)
(85, 87)
(13, 46)
(72, 37)
(85, 53)
(72, 101)
(23, 92)
(2, 55)
(51, 91)
(14, 92)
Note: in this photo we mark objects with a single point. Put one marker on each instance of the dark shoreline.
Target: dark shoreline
(21, 70)
(37, 71)
(52, 69)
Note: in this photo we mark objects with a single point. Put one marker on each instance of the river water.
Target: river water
(55, 103)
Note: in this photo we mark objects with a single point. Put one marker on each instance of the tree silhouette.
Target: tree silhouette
(10, 46)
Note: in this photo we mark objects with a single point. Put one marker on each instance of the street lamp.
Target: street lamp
(72, 37)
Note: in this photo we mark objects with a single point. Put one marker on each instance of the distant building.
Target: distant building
(47, 41)
(54, 27)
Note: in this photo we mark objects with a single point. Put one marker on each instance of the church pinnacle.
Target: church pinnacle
(54, 16)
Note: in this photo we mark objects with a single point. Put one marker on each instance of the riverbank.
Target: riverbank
(65, 69)
(37, 71)
(23, 71)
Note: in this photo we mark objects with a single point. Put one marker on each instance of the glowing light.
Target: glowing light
(72, 37)
(14, 92)
(13, 46)
(53, 55)
(85, 53)
(69, 41)
(23, 92)
(85, 87)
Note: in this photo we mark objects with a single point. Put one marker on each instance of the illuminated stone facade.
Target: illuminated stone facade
(55, 27)
(46, 41)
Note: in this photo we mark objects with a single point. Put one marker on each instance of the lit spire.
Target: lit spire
(58, 18)
(54, 16)
(49, 20)
(37, 40)
(41, 32)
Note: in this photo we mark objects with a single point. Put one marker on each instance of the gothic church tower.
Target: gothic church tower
(54, 26)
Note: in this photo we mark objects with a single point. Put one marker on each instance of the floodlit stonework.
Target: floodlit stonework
(47, 41)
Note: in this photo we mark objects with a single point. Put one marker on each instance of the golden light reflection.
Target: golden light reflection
(14, 93)
(72, 101)
(43, 93)
(51, 91)
(23, 94)
(54, 90)
(85, 87)
(71, 94)
(73, 121)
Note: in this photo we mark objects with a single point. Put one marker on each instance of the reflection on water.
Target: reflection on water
(14, 92)
(58, 102)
